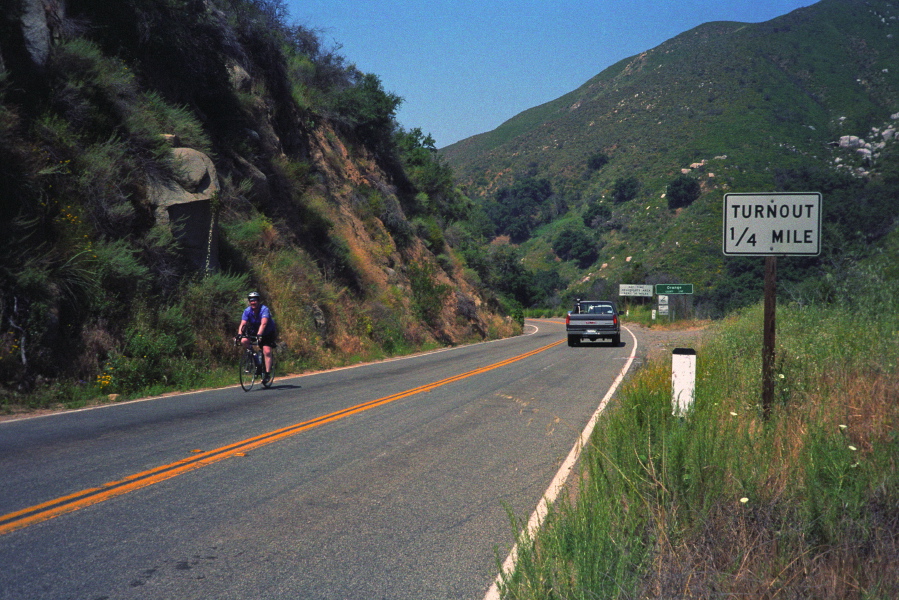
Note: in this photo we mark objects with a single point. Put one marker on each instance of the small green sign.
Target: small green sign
(674, 288)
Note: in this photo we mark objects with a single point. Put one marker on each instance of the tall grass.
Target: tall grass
(727, 504)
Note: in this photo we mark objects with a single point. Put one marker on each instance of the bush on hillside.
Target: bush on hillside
(517, 209)
(597, 215)
(429, 173)
(597, 161)
(428, 294)
(577, 245)
(625, 189)
(682, 192)
(367, 111)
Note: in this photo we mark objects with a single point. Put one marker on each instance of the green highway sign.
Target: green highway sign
(674, 288)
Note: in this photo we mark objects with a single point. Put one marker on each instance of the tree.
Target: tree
(516, 210)
(596, 215)
(682, 192)
(508, 276)
(370, 112)
(547, 284)
(577, 245)
(597, 161)
(431, 175)
(625, 189)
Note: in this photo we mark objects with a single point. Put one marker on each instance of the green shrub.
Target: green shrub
(250, 233)
(121, 273)
(430, 232)
(597, 161)
(517, 209)
(597, 215)
(211, 308)
(577, 245)
(625, 189)
(155, 116)
(402, 232)
(387, 329)
(148, 360)
(365, 109)
(682, 192)
(428, 295)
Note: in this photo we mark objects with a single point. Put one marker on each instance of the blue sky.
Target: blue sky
(464, 67)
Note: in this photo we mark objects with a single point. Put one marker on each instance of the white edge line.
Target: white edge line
(558, 482)
(286, 377)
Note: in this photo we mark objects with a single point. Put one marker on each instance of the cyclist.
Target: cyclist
(257, 320)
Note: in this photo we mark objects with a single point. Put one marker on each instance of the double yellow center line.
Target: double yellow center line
(72, 502)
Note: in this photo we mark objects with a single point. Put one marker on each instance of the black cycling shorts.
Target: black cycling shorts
(268, 339)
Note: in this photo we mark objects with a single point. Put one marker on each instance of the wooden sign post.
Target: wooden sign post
(771, 225)
(768, 334)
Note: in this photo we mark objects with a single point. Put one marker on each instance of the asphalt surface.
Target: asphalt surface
(393, 496)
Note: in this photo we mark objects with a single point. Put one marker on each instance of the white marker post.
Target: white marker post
(683, 381)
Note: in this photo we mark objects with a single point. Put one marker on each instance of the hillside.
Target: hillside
(725, 107)
(161, 158)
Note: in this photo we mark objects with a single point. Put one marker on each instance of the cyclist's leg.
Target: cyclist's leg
(267, 344)
(267, 354)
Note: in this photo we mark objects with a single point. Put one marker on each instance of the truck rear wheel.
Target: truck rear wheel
(574, 340)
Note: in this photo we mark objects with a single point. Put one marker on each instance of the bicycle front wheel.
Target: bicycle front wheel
(247, 371)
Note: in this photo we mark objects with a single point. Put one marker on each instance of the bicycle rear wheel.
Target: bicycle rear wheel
(247, 370)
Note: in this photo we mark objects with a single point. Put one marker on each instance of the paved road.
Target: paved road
(335, 485)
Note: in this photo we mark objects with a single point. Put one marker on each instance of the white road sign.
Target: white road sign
(778, 223)
(627, 289)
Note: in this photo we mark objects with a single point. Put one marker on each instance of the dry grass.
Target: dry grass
(763, 548)
(726, 504)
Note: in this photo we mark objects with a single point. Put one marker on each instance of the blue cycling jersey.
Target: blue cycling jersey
(254, 319)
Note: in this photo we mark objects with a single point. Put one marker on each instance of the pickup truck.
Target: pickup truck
(593, 319)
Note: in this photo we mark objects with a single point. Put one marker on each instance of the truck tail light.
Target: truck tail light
(615, 319)
(568, 319)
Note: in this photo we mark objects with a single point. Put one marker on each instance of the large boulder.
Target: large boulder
(185, 204)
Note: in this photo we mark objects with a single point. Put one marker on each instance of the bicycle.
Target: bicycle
(252, 365)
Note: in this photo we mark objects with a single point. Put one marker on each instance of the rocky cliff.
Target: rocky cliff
(162, 158)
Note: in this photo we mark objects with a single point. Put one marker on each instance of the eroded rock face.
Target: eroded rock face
(41, 22)
(35, 31)
(185, 205)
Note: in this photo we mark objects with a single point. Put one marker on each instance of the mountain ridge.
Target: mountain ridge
(733, 105)
(634, 69)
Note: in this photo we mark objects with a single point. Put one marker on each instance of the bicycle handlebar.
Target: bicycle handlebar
(254, 339)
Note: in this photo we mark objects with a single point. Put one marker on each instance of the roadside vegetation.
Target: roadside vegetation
(725, 503)
(352, 228)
